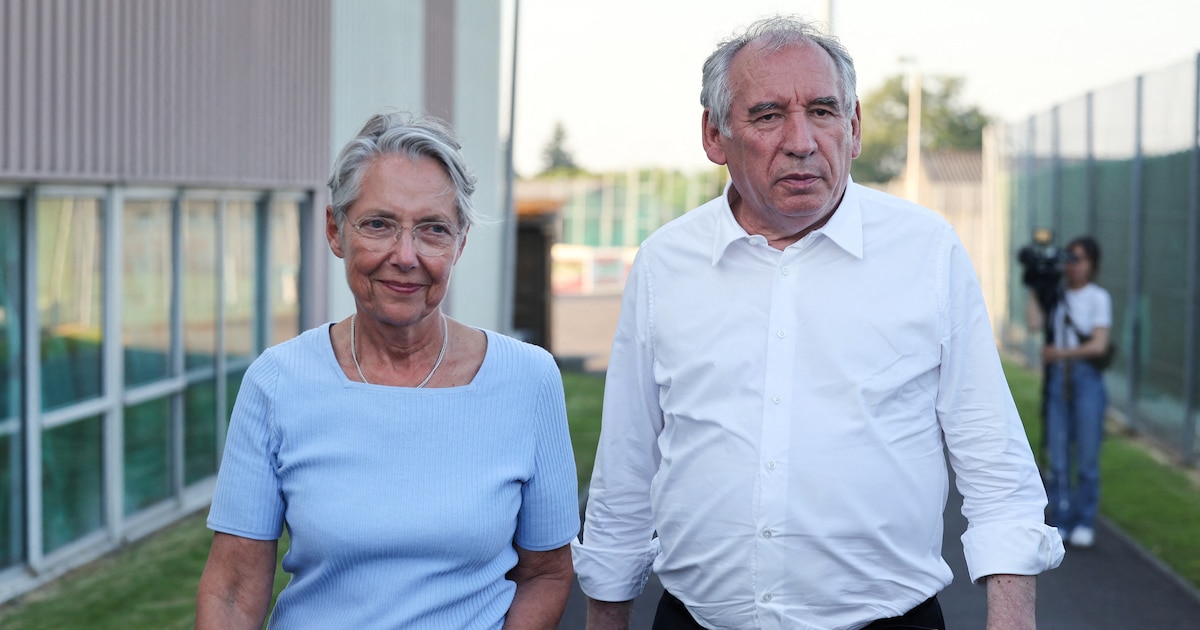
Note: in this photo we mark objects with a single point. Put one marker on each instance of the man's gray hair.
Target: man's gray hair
(396, 133)
(773, 34)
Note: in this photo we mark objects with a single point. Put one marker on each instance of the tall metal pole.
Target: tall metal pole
(912, 180)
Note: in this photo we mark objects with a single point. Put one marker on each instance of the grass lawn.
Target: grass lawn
(585, 395)
(152, 584)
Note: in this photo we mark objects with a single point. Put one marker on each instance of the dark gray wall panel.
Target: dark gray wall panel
(201, 92)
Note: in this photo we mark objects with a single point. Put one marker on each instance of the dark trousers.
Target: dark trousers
(673, 615)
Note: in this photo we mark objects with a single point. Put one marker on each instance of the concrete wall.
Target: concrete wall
(439, 57)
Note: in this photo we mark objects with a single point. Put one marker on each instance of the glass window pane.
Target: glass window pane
(11, 492)
(199, 290)
(147, 454)
(240, 237)
(72, 497)
(11, 467)
(199, 431)
(70, 291)
(285, 271)
(233, 385)
(10, 310)
(146, 276)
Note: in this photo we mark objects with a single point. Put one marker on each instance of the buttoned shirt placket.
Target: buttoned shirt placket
(779, 413)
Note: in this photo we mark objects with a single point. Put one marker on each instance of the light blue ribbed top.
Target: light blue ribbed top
(403, 505)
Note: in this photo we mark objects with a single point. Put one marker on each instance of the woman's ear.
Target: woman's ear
(461, 245)
(333, 233)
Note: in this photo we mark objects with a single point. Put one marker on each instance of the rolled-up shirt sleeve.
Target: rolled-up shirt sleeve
(614, 558)
(1003, 497)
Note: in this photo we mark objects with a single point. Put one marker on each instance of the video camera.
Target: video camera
(1041, 262)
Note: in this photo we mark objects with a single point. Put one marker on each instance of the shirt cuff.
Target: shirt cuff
(1008, 547)
(613, 575)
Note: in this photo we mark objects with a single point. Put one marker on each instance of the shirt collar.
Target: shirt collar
(844, 228)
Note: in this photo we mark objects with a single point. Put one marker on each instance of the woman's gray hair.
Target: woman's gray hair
(773, 34)
(396, 133)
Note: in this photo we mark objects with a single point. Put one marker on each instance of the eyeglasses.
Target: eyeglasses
(431, 238)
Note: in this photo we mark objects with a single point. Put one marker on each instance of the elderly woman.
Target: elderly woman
(422, 467)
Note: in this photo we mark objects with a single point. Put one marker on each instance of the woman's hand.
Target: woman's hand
(1096, 346)
(543, 581)
(235, 589)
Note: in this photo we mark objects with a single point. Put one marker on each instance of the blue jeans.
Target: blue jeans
(1075, 404)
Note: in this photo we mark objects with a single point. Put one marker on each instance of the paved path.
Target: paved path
(1112, 586)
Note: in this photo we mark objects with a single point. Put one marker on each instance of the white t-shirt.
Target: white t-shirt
(1089, 306)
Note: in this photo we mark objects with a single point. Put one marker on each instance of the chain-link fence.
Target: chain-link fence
(1122, 164)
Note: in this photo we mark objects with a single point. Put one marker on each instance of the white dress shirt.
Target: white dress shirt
(779, 418)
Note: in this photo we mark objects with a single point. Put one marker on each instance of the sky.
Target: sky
(623, 76)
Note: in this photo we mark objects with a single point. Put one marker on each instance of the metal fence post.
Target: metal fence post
(1056, 200)
(1187, 445)
(1135, 257)
(1034, 339)
(1089, 185)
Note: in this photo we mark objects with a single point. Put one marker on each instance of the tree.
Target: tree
(945, 124)
(556, 157)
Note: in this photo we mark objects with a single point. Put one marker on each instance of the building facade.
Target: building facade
(162, 195)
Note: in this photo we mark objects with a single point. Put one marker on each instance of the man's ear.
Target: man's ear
(712, 139)
(856, 129)
(332, 233)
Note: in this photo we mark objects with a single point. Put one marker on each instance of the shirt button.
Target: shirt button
(770, 465)
(767, 533)
(776, 400)
(767, 597)
(780, 334)
(785, 271)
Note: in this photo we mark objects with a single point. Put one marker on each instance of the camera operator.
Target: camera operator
(1075, 397)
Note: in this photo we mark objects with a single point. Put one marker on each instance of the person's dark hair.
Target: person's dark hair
(773, 33)
(396, 133)
(1091, 248)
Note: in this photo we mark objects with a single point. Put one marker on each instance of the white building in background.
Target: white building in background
(162, 195)
(444, 58)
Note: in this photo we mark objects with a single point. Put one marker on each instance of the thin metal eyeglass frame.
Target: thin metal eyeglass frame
(422, 247)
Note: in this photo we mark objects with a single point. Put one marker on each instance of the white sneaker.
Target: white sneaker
(1082, 537)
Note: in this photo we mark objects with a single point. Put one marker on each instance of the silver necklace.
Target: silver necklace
(436, 364)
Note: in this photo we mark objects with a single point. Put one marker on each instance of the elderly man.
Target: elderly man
(792, 361)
